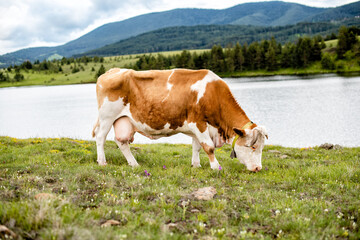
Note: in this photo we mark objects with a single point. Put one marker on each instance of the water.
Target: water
(297, 111)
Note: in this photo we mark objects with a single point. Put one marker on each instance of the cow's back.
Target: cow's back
(155, 97)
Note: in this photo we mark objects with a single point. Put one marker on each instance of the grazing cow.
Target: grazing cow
(157, 103)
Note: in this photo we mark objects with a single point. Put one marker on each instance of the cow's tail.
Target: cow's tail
(95, 127)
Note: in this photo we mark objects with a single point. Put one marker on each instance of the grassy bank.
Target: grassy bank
(299, 194)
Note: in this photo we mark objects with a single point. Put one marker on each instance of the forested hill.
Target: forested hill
(205, 36)
(274, 13)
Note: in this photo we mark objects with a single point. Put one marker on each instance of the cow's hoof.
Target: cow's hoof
(102, 163)
(198, 165)
(215, 165)
(134, 165)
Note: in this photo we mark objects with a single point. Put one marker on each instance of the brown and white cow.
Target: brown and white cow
(158, 103)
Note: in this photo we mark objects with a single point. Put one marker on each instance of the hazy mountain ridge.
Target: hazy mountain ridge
(259, 14)
(205, 36)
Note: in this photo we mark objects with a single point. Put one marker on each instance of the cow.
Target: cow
(160, 103)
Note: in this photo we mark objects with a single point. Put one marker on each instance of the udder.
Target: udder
(124, 130)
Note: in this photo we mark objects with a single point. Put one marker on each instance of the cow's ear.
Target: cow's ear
(239, 132)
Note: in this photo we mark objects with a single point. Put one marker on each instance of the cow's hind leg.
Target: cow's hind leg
(108, 113)
(196, 147)
(101, 133)
(124, 134)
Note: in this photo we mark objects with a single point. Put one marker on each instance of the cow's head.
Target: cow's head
(248, 147)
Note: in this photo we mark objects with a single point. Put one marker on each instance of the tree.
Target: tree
(3, 77)
(270, 59)
(327, 62)
(100, 71)
(18, 76)
(238, 58)
(347, 39)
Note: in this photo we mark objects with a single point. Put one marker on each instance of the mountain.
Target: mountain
(344, 12)
(273, 13)
(205, 36)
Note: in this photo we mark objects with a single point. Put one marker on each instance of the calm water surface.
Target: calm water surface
(297, 111)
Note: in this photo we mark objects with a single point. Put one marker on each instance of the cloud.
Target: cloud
(33, 22)
(28, 23)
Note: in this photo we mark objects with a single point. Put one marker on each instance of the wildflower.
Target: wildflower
(243, 232)
(277, 212)
(164, 167)
(147, 173)
(326, 210)
(220, 167)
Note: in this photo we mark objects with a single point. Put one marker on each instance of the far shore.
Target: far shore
(30, 79)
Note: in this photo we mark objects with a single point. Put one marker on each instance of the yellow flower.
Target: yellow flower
(54, 151)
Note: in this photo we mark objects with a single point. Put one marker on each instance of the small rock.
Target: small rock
(337, 147)
(194, 210)
(274, 151)
(327, 146)
(110, 222)
(5, 231)
(206, 193)
(284, 156)
(44, 196)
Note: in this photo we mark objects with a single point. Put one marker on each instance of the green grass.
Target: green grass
(311, 194)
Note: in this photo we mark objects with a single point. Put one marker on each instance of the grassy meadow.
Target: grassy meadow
(87, 75)
(307, 193)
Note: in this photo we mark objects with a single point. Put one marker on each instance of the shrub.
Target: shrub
(327, 62)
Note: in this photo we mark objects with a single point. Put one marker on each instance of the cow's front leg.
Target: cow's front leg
(124, 134)
(196, 147)
(208, 146)
(214, 164)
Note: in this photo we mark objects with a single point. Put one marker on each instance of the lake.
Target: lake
(297, 111)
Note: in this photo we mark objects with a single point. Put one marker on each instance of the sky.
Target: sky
(34, 23)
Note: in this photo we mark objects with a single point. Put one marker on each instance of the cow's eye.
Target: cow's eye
(253, 148)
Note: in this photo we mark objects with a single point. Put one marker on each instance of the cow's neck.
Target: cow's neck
(231, 116)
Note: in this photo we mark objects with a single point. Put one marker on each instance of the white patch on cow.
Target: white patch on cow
(122, 70)
(216, 137)
(109, 109)
(200, 86)
(169, 86)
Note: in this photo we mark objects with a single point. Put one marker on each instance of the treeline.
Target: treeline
(267, 55)
(54, 66)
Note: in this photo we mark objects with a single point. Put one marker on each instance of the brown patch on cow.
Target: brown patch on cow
(222, 110)
(209, 151)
